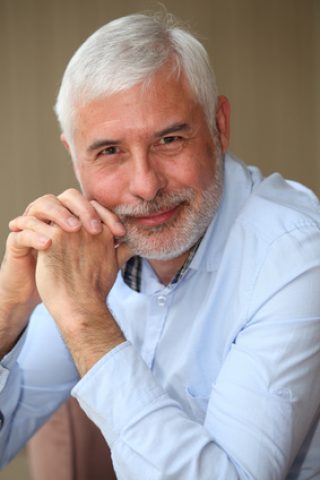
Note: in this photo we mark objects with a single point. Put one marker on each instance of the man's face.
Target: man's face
(148, 155)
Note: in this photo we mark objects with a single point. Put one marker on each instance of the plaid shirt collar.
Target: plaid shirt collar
(131, 271)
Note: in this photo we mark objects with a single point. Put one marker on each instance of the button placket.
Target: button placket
(157, 315)
(162, 300)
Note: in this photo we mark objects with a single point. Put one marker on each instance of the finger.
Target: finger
(82, 208)
(110, 219)
(20, 243)
(48, 208)
(29, 222)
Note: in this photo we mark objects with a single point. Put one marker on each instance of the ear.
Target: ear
(223, 121)
(66, 145)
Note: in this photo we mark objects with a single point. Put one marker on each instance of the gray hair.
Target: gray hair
(130, 50)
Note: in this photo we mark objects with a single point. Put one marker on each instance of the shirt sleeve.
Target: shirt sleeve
(35, 378)
(263, 402)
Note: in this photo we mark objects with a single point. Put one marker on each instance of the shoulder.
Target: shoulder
(277, 207)
(275, 234)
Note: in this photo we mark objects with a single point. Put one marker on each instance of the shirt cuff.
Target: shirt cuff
(116, 389)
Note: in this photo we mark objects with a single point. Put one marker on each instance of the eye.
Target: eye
(169, 144)
(169, 140)
(112, 150)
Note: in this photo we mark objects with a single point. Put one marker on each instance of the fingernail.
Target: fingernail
(96, 225)
(73, 222)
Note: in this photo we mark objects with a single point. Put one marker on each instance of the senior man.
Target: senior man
(179, 289)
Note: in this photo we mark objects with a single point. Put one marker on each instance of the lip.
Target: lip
(157, 218)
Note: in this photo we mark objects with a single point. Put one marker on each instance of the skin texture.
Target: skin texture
(128, 149)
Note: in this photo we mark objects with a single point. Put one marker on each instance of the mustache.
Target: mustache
(162, 202)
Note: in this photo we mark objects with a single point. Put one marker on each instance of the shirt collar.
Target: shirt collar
(238, 183)
(131, 272)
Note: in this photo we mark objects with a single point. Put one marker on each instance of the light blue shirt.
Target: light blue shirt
(219, 376)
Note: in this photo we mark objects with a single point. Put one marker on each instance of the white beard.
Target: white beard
(172, 239)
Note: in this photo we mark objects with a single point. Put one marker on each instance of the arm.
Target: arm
(30, 233)
(74, 278)
(36, 374)
(35, 378)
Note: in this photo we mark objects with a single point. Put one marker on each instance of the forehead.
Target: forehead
(151, 105)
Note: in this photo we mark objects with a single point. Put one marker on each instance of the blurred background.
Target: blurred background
(266, 56)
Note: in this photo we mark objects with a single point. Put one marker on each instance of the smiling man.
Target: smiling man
(178, 290)
(149, 155)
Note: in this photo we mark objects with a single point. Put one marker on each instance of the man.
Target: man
(203, 362)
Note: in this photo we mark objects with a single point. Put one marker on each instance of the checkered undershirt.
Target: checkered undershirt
(131, 272)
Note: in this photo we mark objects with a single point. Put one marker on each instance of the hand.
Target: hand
(32, 233)
(73, 278)
(77, 272)
(18, 292)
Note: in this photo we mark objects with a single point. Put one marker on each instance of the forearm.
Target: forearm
(89, 334)
(35, 377)
(24, 410)
(146, 429)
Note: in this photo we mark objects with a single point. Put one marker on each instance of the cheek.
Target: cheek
(207, 166)
(106, 189)
(197, 170)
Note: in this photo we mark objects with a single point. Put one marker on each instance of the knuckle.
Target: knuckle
(38, 204)
(48, 197)
(69, 192)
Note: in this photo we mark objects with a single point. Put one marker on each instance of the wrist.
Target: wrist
(89, 335)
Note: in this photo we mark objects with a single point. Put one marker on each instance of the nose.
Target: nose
(146, 179)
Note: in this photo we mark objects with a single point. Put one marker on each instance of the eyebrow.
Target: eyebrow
(175, 127)
(101, 143)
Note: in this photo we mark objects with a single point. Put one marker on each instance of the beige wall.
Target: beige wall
(266, 56)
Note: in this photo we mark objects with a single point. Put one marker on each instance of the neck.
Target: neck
(167, 269)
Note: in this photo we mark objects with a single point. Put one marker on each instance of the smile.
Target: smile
(156, 219)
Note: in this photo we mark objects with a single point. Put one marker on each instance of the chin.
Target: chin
(165, 245)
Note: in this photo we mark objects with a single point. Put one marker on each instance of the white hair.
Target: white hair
(130, 50)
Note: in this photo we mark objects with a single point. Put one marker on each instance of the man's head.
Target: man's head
(146, 131)
(128, 51)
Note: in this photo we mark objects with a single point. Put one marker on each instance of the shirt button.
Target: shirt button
(161, 300)
(1, 420)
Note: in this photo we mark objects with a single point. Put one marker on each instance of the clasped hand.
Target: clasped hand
(62, 251)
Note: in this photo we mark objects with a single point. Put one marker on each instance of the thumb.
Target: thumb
(123, 253)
